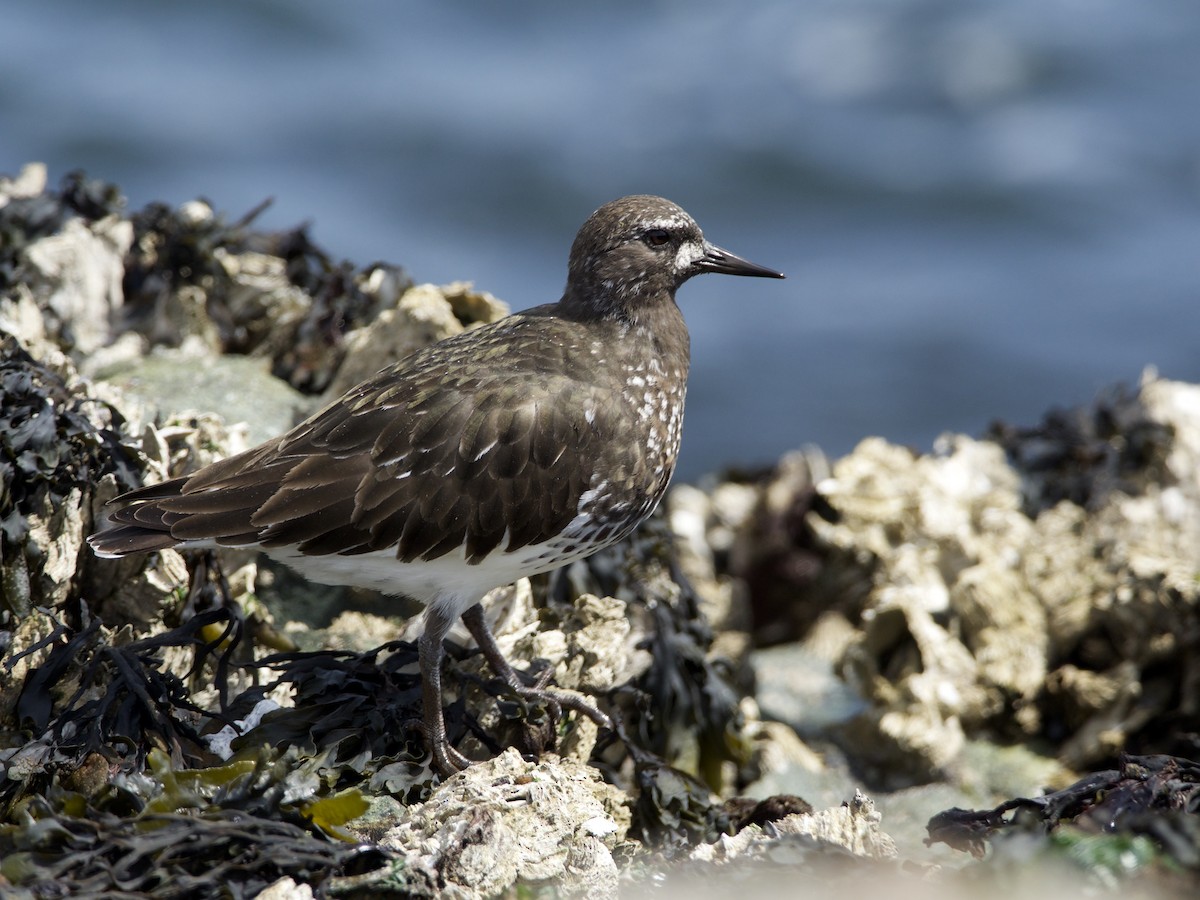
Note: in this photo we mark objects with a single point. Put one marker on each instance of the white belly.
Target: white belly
(449, 582)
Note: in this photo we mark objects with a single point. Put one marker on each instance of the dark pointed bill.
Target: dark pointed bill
(717, 260)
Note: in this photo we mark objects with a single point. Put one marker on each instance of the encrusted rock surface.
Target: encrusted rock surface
(422, 315)
(506, 821)
(987, 612)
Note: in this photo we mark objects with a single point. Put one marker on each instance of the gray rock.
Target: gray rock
(239, 388)
(800, 687)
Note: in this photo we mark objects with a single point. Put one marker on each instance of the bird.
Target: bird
(507, 450)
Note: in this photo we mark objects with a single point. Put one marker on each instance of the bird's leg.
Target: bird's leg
(477, 624)
(446, 760)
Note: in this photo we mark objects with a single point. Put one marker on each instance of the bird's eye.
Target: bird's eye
(657, 237)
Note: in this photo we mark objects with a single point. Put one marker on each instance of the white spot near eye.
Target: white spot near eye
(687, 255)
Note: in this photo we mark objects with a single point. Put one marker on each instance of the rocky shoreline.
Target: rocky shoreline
(816, 670)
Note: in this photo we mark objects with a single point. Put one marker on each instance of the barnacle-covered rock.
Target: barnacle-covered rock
(840, 847)
(507, 821)
(56, 444)
(62, 252)
(423, 315)
(1040, 584)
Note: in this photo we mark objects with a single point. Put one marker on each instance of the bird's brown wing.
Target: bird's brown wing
(430, 455)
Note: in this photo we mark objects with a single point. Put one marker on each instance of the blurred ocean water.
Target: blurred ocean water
(984, 209)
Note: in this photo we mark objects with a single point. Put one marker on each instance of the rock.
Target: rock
(854, 826)
(262, 299)
(358, 631)
(704, 525)
(286, 889)
(800, 687)
(30, 182)
(424, 314)
(78, 273)
(990, 601)
(33, 628)
(507, 822)
(187, 381)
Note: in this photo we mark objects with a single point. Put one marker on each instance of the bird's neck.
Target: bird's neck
(657, 324)
(630, 303)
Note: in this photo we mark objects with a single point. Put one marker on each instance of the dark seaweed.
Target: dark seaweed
(1153, 796)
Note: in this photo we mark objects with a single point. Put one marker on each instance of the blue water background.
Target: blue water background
(984, 208)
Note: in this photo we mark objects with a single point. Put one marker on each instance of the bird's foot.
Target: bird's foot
(557, 700)
(446, 760)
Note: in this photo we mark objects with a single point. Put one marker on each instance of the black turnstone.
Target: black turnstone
(505, 451)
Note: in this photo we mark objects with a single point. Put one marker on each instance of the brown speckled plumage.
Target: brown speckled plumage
(480, 440)
(503, 451)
